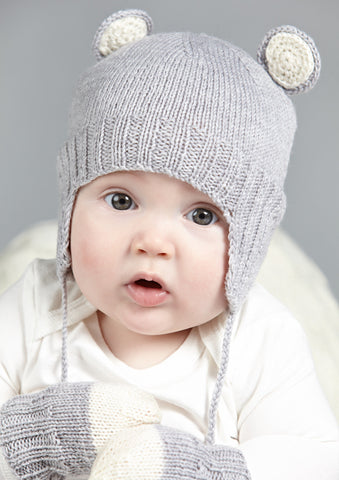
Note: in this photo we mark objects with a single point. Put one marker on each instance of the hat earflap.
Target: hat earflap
(121, 28)
(291, 59)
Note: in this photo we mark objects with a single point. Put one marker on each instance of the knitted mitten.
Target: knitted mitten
(152, 452)
(58, 431)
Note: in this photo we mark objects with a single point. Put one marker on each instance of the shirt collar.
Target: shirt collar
(212, 334)
(48, 302)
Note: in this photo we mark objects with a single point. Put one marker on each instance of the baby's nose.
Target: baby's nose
(154, 243)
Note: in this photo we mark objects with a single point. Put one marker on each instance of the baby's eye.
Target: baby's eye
(202, 216)
(119, 201)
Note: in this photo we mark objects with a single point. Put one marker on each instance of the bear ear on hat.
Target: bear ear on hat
(121, 28)
(291, 59)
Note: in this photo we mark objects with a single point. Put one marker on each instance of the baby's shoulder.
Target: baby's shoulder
(262, 310)
(266, 330)
(20, 314)
(35, 292)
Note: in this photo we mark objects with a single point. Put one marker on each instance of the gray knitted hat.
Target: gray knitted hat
(198, 109)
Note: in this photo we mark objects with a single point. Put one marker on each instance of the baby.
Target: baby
(174, 362)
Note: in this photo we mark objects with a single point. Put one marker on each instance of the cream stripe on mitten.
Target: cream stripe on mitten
(116, 407)
(152, 452)
(58, 431)
(135, 453)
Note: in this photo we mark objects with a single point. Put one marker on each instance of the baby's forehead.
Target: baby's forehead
(142, 179)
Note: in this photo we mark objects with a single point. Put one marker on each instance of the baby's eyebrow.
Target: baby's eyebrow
(118, 176)
(110, 180)
(208, 202)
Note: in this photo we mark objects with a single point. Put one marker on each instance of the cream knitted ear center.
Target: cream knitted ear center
(289, 60)
(121, 32)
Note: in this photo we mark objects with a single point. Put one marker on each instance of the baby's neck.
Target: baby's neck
(137, 350)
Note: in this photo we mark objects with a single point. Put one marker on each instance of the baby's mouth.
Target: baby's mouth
(148, 283)
(147, 293)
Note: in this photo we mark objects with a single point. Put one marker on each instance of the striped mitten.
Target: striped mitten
(154, 452)
(59, 431)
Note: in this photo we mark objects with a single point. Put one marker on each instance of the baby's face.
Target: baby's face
(149, 252)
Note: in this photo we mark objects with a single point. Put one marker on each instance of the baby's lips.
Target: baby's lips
(149, 277)
(147, 296)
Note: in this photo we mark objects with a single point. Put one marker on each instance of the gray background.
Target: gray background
(45, 45)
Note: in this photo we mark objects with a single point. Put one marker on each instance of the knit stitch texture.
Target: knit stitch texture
(59, 431)
(164, 453)
(198, 109)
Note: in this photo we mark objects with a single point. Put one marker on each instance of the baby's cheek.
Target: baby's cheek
(85, 258)
(214, 268)
(207, 281)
